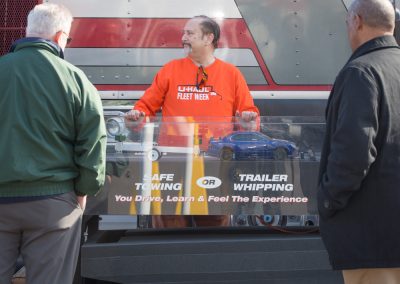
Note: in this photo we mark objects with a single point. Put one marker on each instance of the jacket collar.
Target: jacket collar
(373, 45)
(370, 46)
(37, 42)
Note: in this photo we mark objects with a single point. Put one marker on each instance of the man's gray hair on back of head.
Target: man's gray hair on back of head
(375, 13)
(45, 20)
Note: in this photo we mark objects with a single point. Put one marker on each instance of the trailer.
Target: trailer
(289, 52)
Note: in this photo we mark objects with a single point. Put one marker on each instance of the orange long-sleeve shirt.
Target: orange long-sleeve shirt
(174, 90)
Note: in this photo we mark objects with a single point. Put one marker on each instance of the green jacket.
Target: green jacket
(53, 136)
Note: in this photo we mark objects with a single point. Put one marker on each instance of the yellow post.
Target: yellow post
(198, 207)
(156, 205)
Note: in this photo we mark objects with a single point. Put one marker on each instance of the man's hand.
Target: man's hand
(134, 114)
(248, 120)
(247, 116)
(82, 201)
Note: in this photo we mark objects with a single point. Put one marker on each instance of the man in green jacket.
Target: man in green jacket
(52, 150)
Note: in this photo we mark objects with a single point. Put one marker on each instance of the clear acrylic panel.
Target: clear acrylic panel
(211, 166)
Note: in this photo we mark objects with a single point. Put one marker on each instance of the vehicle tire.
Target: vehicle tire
(280, 154)
(226, 154)
(272, 221)
(235, 173)
(153, 155)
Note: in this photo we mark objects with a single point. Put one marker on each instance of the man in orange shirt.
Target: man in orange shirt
(197, 85)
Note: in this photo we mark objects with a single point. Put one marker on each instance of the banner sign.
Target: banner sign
(206, 167)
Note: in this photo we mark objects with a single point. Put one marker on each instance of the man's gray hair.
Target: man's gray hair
(375, 13)
(45, 20)
(209, 26)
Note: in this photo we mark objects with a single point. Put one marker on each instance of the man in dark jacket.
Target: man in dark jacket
(359, 180)
(52, 151)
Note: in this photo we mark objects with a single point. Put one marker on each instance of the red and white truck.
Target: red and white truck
(289, 52)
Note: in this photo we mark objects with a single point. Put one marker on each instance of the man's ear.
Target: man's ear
(210, 38)
(57, 37)
(358, 22)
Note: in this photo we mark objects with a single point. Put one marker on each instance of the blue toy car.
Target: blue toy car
(242, 145)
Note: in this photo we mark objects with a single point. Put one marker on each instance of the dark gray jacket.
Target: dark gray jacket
(359, 180)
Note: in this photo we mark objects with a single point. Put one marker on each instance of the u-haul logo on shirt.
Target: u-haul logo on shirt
(191, 93)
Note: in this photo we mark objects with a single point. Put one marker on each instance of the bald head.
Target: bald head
(378, 14)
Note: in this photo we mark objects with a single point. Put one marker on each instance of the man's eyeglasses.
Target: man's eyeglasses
(203, 77)
(69, 39)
